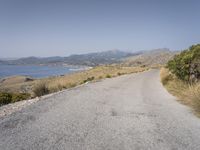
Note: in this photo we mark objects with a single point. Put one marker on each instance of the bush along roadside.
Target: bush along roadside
(6, 98)
(41, 89)
(186, 65)
(181, 77)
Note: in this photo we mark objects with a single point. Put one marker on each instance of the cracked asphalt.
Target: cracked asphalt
(130, 112)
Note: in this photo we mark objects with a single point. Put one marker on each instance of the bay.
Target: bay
(36, 71)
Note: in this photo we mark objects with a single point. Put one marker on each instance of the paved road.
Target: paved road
(130, 112)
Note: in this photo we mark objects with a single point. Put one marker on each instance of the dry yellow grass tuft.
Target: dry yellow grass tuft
(40, 88)
(188, 94)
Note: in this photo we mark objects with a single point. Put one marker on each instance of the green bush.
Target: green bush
(186, 65)
(5, 98)
(108, 76)
(20, 96)
(41, 89)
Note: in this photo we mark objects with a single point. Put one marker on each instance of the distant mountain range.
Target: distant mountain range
(90, 59)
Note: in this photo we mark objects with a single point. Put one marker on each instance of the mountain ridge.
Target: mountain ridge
(99, 58)
(89, 59)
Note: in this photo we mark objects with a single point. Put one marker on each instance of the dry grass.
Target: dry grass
(101, 72)
(40, 88)
(186, 93)
(17, 84)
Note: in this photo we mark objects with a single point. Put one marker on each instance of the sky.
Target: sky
(63, 27)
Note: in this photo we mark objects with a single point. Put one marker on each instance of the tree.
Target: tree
(186, 65)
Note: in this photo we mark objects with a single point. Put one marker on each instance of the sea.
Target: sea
(37, 71)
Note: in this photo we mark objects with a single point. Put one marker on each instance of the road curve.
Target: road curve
(129, 112)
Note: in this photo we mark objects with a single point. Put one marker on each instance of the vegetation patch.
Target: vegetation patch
(108, 76)
(186, 93)
(41, 89)
(181, 77)
(6, 98)
(20, 96)
(186, 65)
(89, 79)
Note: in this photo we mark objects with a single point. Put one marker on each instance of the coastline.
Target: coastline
(39, 71)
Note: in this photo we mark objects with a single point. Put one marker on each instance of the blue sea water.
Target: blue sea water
(35, 71)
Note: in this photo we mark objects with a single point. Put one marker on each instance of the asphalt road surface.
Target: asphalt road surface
(129, 112)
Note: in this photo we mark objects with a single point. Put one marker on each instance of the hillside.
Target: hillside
(149, 58)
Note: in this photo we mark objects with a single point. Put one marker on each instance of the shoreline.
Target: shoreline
(26, 72)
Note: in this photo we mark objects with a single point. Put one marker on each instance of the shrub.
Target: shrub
(119, 74)
(89, 79)
(41, 89)
(20, 96)
(5, 98)
(186, 65)
(108, 76)
(92, 78)
(166, 76)
(143, 66)
(60, 87)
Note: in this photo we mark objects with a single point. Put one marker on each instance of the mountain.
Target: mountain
(36, 60)
(90, 59)
(149, 58)
(93, 59)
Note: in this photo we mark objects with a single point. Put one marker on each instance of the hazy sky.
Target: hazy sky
(63, 27)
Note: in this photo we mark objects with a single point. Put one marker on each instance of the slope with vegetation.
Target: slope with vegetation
(181, 77)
